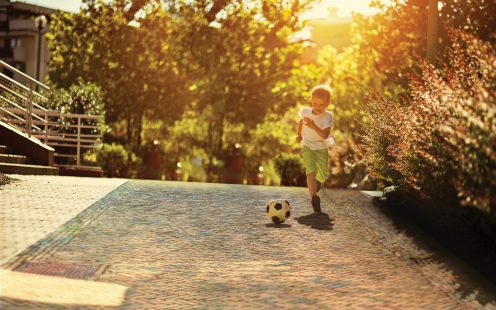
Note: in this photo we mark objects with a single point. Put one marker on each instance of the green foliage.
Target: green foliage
(290, 169)
(344, 162)
(126, 54)
(79, 98)
(296, 89)
(113, 159)
(440, 142)
(269, 174)
(201, 73)
(397, 37)
(275, 135)
(240, 62)
(83, 99)
(352, 77)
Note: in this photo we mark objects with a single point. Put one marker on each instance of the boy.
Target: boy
(313, 134)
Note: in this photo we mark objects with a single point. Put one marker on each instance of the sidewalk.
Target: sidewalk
(173, 245)
(34, 206)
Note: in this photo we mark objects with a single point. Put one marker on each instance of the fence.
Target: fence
(22, 105)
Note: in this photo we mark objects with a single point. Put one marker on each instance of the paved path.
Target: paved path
(172, 245)
(34, 206)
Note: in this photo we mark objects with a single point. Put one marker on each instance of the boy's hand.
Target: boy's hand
(299, 138)
(309, 122)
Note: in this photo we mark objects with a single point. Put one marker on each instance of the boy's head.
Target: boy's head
(321, 98)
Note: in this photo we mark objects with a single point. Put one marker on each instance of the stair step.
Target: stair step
(8, 168)
(13, 159)
(3, 149)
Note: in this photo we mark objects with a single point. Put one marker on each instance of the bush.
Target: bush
(114, 160)
(290, 169)
(152, 161)
(343, 158)
(80, 98)
(440, 141)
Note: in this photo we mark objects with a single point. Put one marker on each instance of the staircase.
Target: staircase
(11, 163)
(37, 140)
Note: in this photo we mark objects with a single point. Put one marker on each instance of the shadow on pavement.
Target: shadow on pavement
(320, 221)
(278, 225)
(450, 246)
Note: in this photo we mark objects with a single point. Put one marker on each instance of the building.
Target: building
(19, 38)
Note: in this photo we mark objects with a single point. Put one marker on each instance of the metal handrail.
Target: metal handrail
(61, 131)
(25, 88)
(24, 75)
(20, 120)
(18, 107)
(28, 110)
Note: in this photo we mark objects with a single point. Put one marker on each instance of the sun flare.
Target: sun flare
(326, 8)
(59, 291)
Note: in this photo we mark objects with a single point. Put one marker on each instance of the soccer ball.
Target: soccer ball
(278, 210)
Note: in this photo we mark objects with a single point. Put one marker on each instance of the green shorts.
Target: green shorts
(315, 161)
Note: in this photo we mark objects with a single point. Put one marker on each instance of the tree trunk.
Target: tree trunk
(139, 130)
(214, 144)
(432, 25)
(129, 129)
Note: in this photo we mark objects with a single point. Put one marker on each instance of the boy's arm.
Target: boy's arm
(323, 133)
(300, 126)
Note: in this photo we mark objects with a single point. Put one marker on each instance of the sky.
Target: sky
(320, 11)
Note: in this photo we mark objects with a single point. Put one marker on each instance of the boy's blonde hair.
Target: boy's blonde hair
(322, 91)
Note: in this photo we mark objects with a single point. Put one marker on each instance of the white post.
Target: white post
(46, 127)
(29, 110)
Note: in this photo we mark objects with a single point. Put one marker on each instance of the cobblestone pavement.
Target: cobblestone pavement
(172, 245)
(34, 206)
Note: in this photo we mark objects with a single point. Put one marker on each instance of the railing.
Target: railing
(22, 105)
(18, 100)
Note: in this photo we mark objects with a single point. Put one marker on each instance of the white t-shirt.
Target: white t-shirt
(311, 138)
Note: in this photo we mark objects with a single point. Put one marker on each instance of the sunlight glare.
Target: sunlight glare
(58, 290)
(344, 8)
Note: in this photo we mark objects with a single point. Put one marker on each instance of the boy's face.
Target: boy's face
(319, 104)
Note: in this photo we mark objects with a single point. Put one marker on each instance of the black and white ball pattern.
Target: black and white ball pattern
(278, 210)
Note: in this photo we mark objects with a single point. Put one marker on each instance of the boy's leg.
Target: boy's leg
(321, 162)
(311, 183)
(320, 159)
(311, 169)
(316, 203)
(312, 188)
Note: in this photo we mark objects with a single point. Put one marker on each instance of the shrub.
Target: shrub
(347, 167)
(441, 140)
(290, 170)
(80, 98)
(114, 160)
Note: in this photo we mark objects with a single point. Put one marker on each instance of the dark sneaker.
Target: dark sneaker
(316, 203)
(319, 185)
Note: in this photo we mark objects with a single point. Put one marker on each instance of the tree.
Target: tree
(127, 54)
(173, 67)
(237, 61)
(397, 36)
